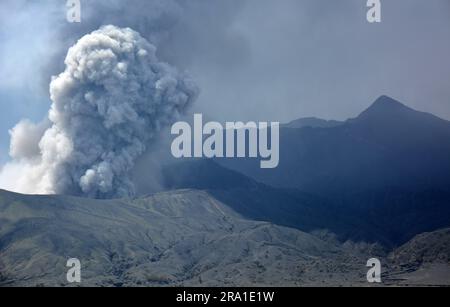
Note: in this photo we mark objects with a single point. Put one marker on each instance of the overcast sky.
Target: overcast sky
(253, 59)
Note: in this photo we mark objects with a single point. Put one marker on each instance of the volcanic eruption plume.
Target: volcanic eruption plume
(107, 106)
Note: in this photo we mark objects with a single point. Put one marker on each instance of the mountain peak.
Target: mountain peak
(385, 107)
(387, 103)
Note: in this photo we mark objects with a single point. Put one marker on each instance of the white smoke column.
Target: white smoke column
(108, 105)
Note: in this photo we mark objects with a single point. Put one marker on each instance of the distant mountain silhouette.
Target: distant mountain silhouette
(387, 145)
(312, 122)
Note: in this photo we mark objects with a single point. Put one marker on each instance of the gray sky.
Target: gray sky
(253, 59)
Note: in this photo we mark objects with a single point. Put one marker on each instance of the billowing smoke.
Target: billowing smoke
(108, 105)
(194, 35)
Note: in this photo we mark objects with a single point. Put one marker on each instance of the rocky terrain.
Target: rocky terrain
(425, 260)
(182, 238)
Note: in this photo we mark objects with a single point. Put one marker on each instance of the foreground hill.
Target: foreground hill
(177, 238)
(430, 247)
(185, 238)
(425, 260)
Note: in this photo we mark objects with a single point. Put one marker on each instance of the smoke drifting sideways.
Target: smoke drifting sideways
(108, 106)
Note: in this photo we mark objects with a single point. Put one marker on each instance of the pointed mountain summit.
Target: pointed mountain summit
(392, 114)
(383, 108)
(387, 104)
(396, 127)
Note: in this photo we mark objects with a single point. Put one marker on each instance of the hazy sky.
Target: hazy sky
(253, 59)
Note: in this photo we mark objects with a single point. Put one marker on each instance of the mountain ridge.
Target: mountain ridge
(311, 122)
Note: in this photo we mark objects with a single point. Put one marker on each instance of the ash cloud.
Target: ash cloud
(109, 103)
(184, 31)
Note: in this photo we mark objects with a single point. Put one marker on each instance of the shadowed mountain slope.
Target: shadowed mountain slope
(388, 145)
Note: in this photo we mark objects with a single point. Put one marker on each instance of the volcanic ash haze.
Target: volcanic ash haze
(107, 106)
